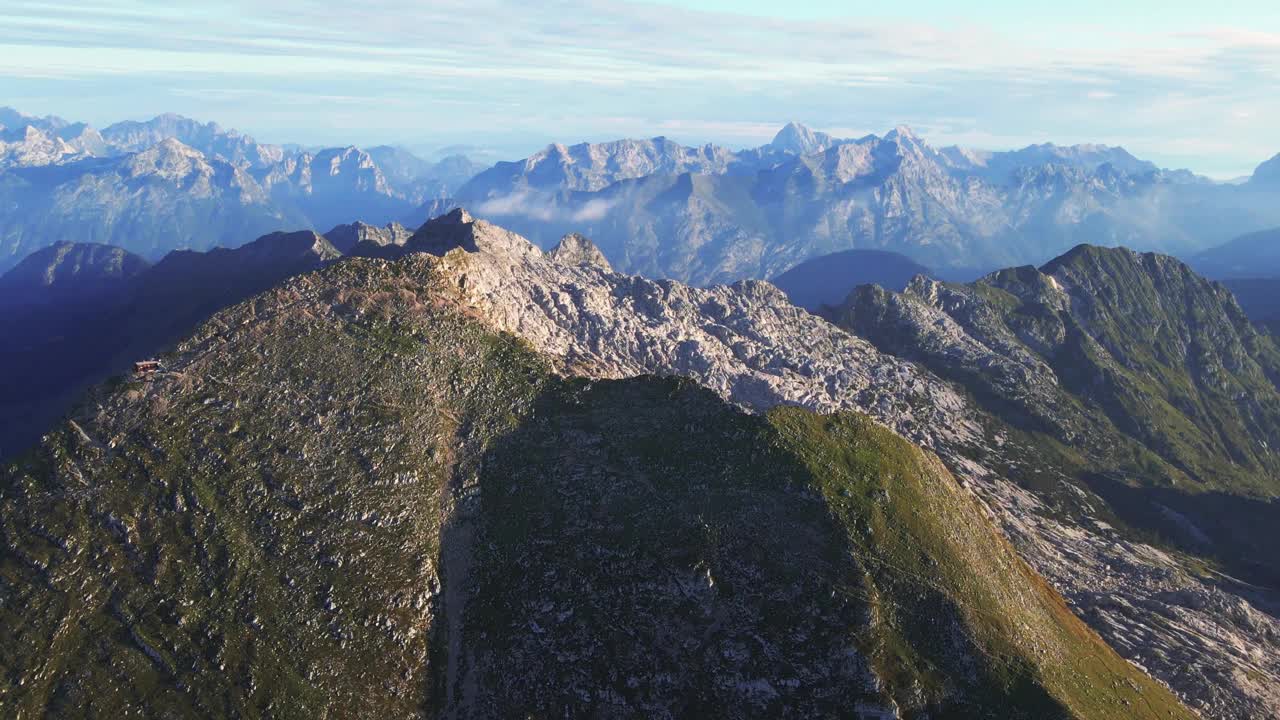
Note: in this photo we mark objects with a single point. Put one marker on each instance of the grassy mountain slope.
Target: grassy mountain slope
(348, 497)
(1132, 371)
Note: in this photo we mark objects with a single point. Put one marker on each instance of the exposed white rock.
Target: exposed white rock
(31, 147)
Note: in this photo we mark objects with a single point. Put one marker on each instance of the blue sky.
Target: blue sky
(1182, 85)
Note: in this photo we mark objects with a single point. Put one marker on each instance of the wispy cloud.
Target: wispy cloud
(454, 71)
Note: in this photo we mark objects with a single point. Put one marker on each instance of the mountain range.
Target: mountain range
(707, 215)
(403, 428)
(423, 464)
(175, 183)
(701, 215)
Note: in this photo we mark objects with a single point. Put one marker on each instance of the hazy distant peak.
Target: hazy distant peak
(12, 119)
(1267, 173)
(1047, 159)
(170, 148)
(170, 159)
(172, 117)
(902, 132)
(828, 279)
(799, 139)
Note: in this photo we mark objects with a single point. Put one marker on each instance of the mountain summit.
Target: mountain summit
(457, 229)
(801, 140)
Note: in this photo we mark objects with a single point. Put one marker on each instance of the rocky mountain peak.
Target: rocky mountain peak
(1113, 265)
(902, 132)
(575, 249)
(350, 155)
(456, 216)
(29, 145)
(170, 159)
(375, 568)
(745, 342)
(457, 229)
(911, 147)
(278, 246)
(347, 237)
(799, 139)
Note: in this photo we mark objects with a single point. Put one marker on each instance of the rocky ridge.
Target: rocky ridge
(1151, 389)
(350, 491)
(575, 249)
(347, 236)
(81, 328)
(753, 348)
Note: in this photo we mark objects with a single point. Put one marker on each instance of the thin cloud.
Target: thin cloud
(561, 70)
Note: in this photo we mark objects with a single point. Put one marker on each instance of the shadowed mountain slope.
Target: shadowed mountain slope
(84, 332)
(68, 271)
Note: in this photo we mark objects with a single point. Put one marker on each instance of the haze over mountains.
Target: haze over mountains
(706, 215)
(171, 182)
(697, 214)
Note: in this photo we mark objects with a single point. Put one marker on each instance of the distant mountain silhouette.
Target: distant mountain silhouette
(828, 280)
(1260, 299)
(1256, 255)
